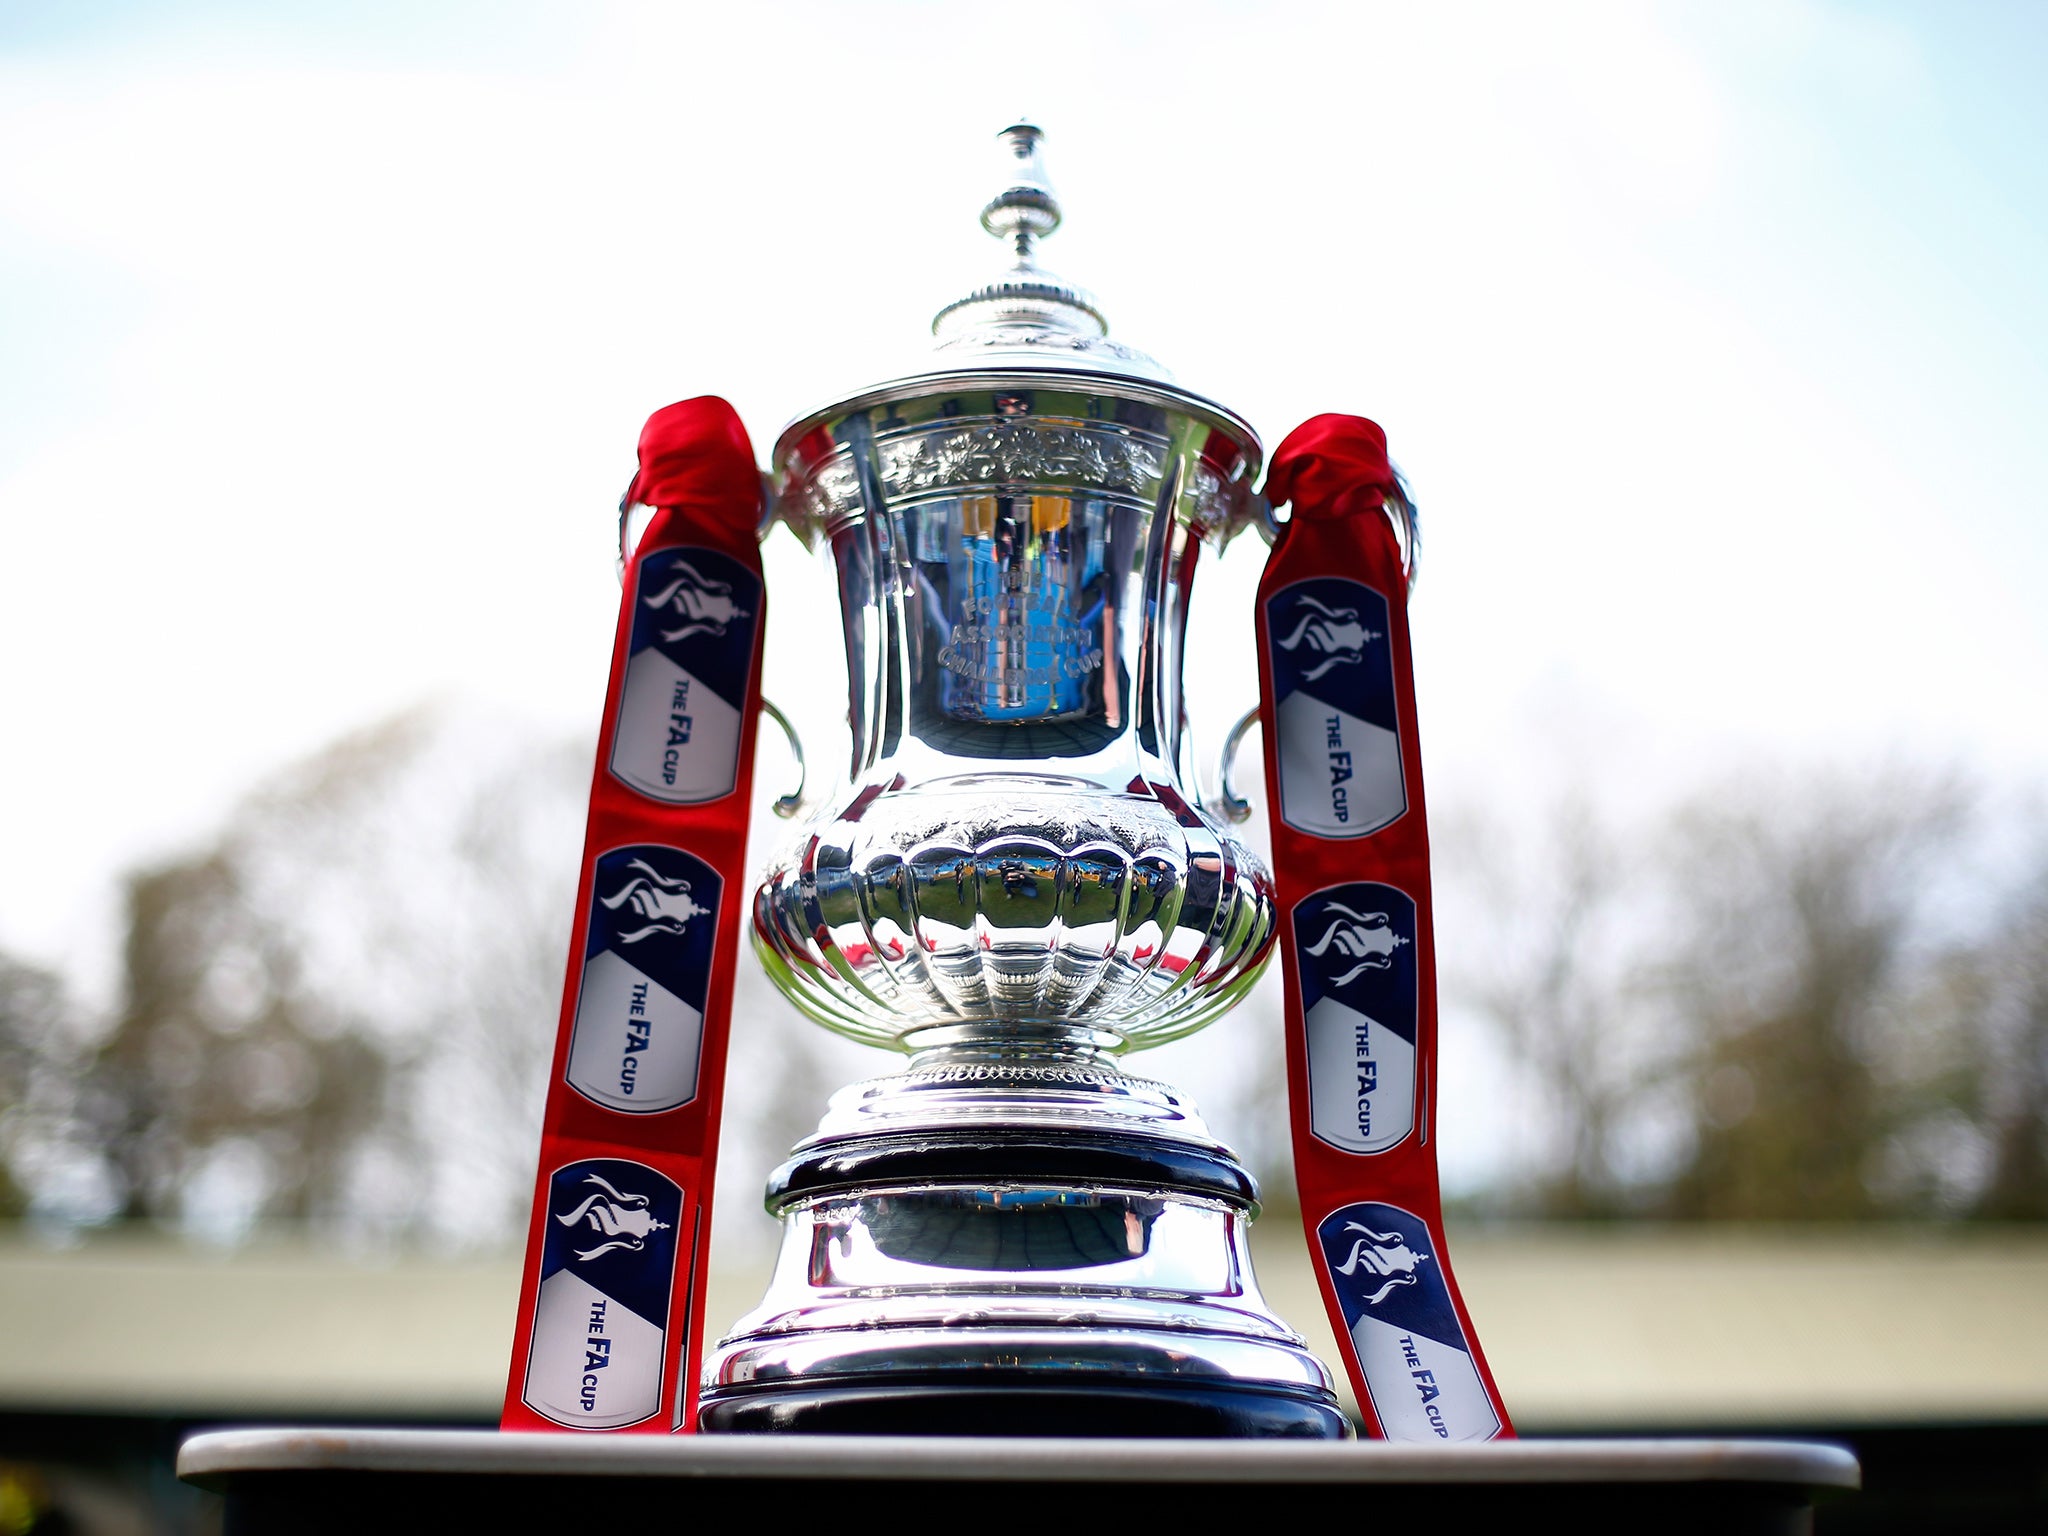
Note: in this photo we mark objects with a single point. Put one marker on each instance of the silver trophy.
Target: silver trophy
(1021, 884)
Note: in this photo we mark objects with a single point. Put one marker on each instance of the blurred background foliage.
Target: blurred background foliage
(1793, 996)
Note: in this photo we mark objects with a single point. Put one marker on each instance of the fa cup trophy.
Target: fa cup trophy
(1019, 885)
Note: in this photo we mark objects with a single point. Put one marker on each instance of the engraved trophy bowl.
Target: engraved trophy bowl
(1021, 859)
(1020, 883)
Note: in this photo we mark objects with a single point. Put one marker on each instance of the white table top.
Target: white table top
(218, 1459)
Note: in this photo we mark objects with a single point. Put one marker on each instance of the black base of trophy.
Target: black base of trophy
(942, 1284)
(1148, 1412)
(941, 1280)
(311, 1482)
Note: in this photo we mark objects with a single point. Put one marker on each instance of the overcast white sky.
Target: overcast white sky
(1712, 337)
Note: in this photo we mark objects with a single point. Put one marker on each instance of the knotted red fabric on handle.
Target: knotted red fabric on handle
(609, 1308)
(1357, 945)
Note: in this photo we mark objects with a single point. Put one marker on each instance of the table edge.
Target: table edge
(219, 1458)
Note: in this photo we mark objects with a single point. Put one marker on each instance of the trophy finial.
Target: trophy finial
(1027, 306)
(1025, 211)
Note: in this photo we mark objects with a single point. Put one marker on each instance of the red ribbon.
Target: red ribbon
(610, 1313)
(1351, 864)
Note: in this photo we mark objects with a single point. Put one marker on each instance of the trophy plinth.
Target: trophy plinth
(1020, 883)
(1015, 1245)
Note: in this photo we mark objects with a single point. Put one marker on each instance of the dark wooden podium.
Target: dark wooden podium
(387, 1481)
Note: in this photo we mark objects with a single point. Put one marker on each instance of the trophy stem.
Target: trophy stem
(983, 1042)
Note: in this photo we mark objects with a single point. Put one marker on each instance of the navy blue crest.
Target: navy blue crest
(1356, 943)
(698, 608)
(656, 908)
(1384, 1265)
(1330, 639)
(1330, 646)
(613, 1224)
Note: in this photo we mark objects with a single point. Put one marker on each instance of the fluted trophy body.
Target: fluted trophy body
(1020, 883)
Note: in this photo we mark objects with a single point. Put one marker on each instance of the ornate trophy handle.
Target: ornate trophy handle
(1232, 806)
(1263, 518)
(790, 804)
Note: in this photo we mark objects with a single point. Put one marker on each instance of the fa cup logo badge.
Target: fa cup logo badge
(689, 660)
(646, 978)
(1411, 1346)
(1338, 734)
(600, 1322)
(1355, 964)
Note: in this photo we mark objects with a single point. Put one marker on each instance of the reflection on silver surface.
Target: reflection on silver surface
(955, 1091)
(1061, 1239)
(1047, 1280)
(1088, 1347)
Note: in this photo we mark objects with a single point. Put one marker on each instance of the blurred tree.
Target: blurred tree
(34, 1014)
(1802, 939)
(1549, 928)
(1787, 999)
(221, 1063)
(341, 1009)
(2012, 1090)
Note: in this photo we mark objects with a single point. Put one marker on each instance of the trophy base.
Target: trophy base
(1003, 1247)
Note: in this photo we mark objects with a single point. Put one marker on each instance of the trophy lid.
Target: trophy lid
(1028, 325)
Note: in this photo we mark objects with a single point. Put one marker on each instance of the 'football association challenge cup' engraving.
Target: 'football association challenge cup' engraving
(1020, 883)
